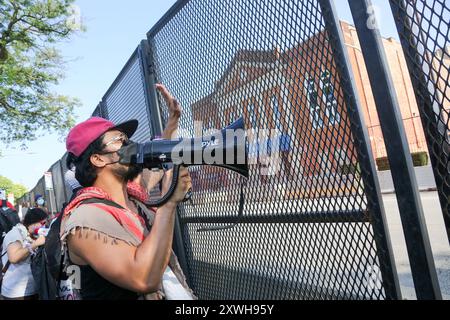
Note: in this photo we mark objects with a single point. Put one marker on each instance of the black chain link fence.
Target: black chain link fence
(98, 112)
(424, 30)
(58, 194)
(313, 224)
(126, 98)
(311, 202)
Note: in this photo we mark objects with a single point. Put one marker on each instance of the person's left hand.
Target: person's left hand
(38, 242)
(172, 103)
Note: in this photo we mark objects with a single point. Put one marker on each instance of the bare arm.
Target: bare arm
(138, 269)
(17, 253)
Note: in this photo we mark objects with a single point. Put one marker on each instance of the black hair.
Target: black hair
(33, 216)
(86, 172)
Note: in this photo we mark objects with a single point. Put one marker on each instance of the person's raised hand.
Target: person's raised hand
(172, 103)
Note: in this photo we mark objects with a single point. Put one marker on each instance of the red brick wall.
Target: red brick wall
(310, 143)
(403, 89)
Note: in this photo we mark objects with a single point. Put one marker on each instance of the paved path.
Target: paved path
(433, 217)
(438, 237)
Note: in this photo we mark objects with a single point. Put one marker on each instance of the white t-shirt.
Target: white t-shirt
(173, 288)
(18, 280)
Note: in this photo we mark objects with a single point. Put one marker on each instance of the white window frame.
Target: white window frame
(329, 98)
(313, 106)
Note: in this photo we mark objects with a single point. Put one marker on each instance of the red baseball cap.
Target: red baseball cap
(83, 134)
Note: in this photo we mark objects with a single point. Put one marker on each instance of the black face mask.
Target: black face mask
(127, 143)
(129, 173)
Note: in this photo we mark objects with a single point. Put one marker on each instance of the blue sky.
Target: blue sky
(114, 29)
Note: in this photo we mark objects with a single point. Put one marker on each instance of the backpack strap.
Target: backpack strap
(112, 208)
(104, 201)
(60, 273)
(5, 268)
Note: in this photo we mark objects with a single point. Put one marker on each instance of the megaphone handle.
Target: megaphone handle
(170, 192)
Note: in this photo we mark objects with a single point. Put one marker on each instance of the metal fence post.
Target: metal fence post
(157, 125)
(103, 110)
(408, 196)
(375, 202)
(429, 98)
(62, 166)
(150, 81)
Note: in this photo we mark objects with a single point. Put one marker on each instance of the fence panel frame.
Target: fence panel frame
(408, 195)
(433, 129)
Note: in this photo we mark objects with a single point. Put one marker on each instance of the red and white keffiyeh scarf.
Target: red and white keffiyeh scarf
(134, 190)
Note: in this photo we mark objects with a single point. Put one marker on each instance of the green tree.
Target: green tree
(30, 65)
(10, 187)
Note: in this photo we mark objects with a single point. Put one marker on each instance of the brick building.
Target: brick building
(295, 92)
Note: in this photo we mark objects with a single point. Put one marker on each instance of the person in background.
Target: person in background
(18, 246)
(72, 185)
(4, 201)
(8, 216)
(40, 202)
(71, 182)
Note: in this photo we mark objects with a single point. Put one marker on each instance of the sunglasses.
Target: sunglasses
(122, 137)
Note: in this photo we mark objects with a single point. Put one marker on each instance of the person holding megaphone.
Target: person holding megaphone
(120, 248)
